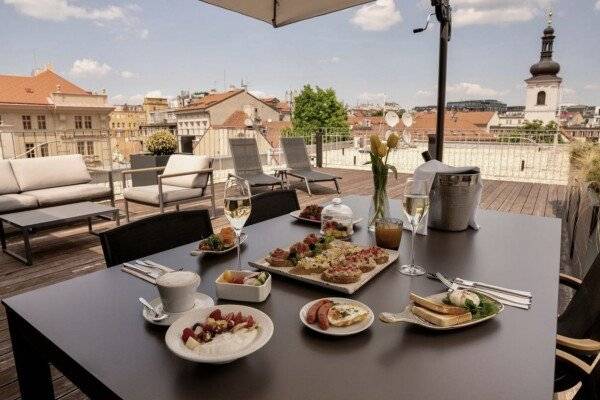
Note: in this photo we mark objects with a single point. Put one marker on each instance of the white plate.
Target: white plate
(408, 316)
(296, 214)
(243, 238)
(342, 330)
(176, 345)
(201, 301)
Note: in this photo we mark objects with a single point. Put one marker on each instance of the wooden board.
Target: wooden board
(315, 279)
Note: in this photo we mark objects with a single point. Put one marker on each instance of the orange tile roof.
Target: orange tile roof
(211, 100)
(237, 119)
(35, 89)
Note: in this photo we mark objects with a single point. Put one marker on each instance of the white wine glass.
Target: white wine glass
(416, 206)
(237, 207)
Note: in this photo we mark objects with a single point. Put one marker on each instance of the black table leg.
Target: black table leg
(28, 255)
(33, 371)
(2, 235)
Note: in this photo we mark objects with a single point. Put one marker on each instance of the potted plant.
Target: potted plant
(160, 145)
(583, 207)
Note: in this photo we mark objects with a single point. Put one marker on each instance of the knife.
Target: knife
(465, 282)
(500, 297)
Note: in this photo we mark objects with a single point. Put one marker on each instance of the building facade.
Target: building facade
(44, 114)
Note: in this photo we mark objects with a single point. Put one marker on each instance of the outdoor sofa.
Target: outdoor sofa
(38, 182)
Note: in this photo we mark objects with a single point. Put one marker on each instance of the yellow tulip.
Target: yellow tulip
(382, 150)
(375, 143)
(392, 141)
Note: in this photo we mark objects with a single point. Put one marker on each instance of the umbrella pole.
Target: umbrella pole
(442, 12)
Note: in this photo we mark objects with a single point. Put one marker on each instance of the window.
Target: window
(41, 120)
(541, 98)
(44, 150)
(87, 120)
(113, 124)
(81, 148)
(29, 150)
(90, 147)
(26, 122)
(0, 119)
(78, 122)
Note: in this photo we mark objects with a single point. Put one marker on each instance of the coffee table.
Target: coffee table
(27, 221)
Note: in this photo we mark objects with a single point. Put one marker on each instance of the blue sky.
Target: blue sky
(365, 54)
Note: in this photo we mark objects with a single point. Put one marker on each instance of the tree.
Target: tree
(318, 108)
(533, 131)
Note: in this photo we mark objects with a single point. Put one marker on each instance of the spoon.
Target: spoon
(392, 318)
(157, 316)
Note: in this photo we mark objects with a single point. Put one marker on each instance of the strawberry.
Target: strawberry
(187, 333)
(250, 322)
(216, 315)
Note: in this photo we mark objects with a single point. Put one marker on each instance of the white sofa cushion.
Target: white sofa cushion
(179, 163)
(149, 194)
(47, 172)
(69, 194)
(8, 183)
(16, 202)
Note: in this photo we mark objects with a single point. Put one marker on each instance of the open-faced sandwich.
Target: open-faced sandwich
(310, 246)
(457, 307)
(312, 212)
(221, 241)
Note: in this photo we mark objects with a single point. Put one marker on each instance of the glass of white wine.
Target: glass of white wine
(237, 207)
(416, 205)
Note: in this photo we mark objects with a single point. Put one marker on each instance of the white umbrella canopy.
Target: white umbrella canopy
(283, 12)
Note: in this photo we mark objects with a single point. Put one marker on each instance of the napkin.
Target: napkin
(427, 172)
(141, 275)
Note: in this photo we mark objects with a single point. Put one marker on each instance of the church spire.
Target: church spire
(546, 66)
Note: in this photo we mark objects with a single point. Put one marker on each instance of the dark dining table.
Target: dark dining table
(91, 327)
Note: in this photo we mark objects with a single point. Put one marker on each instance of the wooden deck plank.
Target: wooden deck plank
(68, 252)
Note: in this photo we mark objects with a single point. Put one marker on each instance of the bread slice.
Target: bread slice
(439, 308)
(443, 320)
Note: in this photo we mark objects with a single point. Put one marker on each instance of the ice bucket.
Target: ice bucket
(452, 199)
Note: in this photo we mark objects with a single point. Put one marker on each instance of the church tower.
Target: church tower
(543, 88)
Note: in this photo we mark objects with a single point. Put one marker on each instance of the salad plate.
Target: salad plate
(350, 315)
(201, 300)
(408, 316)
(243, 238)
(249, 331)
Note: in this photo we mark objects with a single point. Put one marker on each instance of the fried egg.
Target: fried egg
(346, 314)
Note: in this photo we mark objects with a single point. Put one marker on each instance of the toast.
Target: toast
(279, 262)
(443, 320)
(439, 308)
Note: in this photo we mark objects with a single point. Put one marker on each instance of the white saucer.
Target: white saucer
(201, 301)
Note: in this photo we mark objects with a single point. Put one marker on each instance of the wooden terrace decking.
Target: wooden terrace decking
(65, 253)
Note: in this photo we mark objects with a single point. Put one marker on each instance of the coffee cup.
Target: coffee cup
(177, 290)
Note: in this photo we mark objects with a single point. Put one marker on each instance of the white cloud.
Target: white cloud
(378, 16)
(144, 33)
(330, 60)
(598, 5)
(463, 89)
(60, 10)
(496, 12)
(128, 74)
(592, 86)
(424, 93)
(117, 99)
(136, 99)
(86, 67)
(260, 94)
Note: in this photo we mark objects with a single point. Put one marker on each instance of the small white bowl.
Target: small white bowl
(241, 292)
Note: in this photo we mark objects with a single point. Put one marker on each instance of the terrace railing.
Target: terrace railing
(529, 156)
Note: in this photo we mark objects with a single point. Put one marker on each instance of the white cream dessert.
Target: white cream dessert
(459, 297)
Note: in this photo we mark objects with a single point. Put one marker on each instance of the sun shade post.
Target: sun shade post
(444, 16)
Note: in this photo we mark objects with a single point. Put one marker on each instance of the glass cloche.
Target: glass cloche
(336, 220)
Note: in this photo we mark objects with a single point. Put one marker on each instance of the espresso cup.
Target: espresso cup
(177, 290)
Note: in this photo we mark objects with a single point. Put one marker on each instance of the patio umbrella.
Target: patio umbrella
(283, 12)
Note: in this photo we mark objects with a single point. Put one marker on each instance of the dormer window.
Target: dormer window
(541, 98)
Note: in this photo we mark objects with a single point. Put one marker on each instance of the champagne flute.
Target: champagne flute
(416, 205)
(237, 207)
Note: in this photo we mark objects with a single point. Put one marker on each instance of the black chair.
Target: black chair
(272, 204)
(578, 339)
(154, 234)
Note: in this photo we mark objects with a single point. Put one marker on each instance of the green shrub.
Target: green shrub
(162, 143)
(585, 163)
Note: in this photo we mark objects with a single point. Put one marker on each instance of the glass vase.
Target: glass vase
(380, 206)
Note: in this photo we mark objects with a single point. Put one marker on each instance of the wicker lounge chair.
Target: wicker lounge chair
(299, 166)
(247, 165)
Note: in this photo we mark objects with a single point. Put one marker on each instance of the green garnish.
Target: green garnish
(484, 309)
